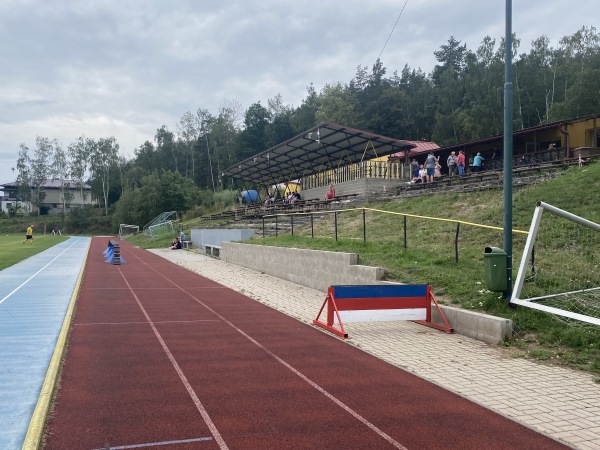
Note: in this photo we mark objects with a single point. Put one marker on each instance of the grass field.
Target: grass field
(13, 250)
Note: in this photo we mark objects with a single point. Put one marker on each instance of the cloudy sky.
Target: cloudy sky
(124, 68)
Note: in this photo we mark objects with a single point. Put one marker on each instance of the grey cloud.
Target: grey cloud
(126, 67)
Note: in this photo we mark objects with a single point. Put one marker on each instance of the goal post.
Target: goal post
(559, 271)
(126, 230)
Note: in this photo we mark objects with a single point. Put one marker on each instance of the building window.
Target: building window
(590, 139)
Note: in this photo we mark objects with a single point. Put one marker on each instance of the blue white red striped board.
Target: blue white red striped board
(380, 303)
(370, 303)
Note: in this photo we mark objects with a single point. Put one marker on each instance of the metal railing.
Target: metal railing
(384, 170)
(410, 229)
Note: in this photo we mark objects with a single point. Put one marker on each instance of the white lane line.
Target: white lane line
(156, 444)
(331, 397)
(142, 323)
(184, 380)
(100, 288)
(35, 274)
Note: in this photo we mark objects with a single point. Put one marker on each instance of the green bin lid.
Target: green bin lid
(495, 250)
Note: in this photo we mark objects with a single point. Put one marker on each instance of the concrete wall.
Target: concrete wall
(202, 237)
(366, 188)
(312, 268)
(483, 327)
(319, 270)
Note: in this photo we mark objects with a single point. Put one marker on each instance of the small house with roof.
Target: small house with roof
(59, 196)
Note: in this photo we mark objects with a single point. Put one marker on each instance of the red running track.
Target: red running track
(162, 358)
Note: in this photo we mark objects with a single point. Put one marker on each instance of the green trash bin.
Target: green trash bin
(494, 260)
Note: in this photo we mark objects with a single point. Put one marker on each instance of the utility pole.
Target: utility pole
(508, 149)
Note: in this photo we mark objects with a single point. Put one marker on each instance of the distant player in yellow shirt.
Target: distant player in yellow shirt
(29, 234)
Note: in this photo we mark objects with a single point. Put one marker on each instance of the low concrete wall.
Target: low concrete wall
(366, 188)
(311, 268)
(210, 236)
(319, 270)
(483, 327)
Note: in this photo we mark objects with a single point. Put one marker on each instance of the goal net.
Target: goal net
(164, 223)
(160, 229)
(559, 271)
(126, 231)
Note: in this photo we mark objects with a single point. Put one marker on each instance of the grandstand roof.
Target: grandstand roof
(324, 147)
(420, 147)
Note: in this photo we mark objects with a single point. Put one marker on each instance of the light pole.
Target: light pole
(508, 148)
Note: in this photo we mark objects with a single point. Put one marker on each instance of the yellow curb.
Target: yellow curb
(35, 432)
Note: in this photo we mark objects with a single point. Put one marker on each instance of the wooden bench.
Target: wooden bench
(360, 303)
(339, 198)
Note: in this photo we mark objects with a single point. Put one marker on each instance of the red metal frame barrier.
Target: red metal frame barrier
(361, 303)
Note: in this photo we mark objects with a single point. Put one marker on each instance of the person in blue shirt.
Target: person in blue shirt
(478, 163)
(430, 166)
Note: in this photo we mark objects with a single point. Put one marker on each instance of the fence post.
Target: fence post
(335, 219)
(263, 226)
(364, 226)
(312, 228)
(292, 223)
(456, 240)
(276, 223)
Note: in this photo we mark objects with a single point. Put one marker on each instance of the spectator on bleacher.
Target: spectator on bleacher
(430, 167)
(438, 168)
(452, 161)
(176, 244)
(414, 165)
(291, 198)
(331, 193)
(415, 180)
(269, 199)
(460, 163)
(497, 154)
(478, 162)
(523, 160)
(423, 174)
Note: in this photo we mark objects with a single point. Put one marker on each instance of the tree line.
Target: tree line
(460, 100)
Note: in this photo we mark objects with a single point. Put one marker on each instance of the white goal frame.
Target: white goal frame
(527, 251)
(124, 225)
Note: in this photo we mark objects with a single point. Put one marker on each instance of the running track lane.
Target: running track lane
(160, 357)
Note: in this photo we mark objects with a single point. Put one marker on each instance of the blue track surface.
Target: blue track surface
(34, 297)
